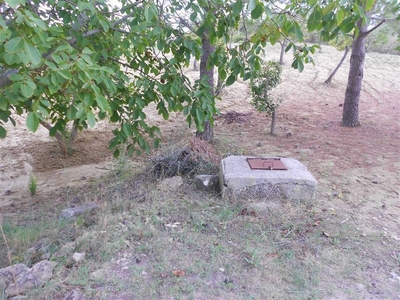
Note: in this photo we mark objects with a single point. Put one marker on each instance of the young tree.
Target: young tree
(81, 61)
(262, 82)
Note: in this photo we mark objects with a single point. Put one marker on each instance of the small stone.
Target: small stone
(98, 274)
(72, 213)
(78, 257)
(206, 182)
(170, 184)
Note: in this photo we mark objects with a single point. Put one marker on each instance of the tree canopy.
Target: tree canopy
(64, 61)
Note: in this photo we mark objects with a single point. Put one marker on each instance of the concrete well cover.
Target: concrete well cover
(239, 181)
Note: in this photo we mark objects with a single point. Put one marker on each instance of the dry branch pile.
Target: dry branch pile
(233, 116)
(198, 157)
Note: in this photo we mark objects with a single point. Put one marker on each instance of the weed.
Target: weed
(32, 184)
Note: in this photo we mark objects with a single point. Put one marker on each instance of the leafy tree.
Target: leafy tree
(79, 62)
(262, 82)
(334, 17)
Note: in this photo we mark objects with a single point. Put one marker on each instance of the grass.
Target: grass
(143, 235)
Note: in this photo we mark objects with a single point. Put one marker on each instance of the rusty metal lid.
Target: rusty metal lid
(266, 164)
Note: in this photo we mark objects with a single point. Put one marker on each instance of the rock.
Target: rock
(206, 182)
(239, 181)
(75, 295)
(72, 213)
(170, 184)
(35, 277)
(40, 251)
(98, 274)
(78, 257)
(9, 274)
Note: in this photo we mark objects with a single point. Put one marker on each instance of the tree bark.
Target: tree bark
(59, 138)
(352, 97)
(329, 80)
(283, 46)
(208, 133)
(273, 115)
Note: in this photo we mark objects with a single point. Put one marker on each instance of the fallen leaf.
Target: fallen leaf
(178, 273)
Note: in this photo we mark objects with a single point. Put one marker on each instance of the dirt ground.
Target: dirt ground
(357, 168)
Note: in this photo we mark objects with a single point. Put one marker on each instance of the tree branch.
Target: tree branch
(375, 27)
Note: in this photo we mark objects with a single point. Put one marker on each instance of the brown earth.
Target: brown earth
(357, 168)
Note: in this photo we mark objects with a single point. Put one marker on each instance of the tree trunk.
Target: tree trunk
(208, 133)
(273, 115)
(283, 46)
(59, 138)
(195, 68)
(353, 90)
(329, 80)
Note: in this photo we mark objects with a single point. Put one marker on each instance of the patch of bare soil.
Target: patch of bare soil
(357, 168)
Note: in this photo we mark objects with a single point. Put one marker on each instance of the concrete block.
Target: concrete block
(239, 182)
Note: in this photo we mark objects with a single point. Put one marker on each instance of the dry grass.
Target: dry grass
(186, 244)
(143, 237)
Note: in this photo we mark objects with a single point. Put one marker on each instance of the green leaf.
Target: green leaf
(11, 58)
(200, 115)
(14, 45)
(300, 66)
(340, 16)
(116, 153)
(16, 77)
(3, 132)
(32, 121)
(65, 73)
(237, 7)
(327, 9)
(298, 33)
(105, 25)
(3, 104)
(15, 3)
(148, 13)
(33, 53)
(314, 20)
(257, 11)
(231, 79)
(251, 5)
(102, 102)
(91, 119)
(369, 4)
(26, 90)
(2, 23)
(51, 65)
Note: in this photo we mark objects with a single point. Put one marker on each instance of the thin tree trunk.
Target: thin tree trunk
(59, 138)
(283, 46)
(74, 133)
(352, 97)
(329, 80)
(208, 133)
(195, 68)
(272, 132)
